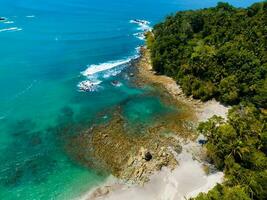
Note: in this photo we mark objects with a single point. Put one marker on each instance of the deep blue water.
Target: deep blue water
(45, 45)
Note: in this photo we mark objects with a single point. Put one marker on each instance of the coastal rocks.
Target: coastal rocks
(139, 21)
(148, 156)
(146, 162)
(102, 191)
(134, 154)
(116, 83)
(88, 86)
(126, 155)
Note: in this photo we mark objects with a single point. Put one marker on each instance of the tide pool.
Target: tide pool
(49, 47)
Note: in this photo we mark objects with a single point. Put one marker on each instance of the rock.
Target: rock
(2, 19)
(131, 74)
(116, 83)
(101, 191)
(177, 148)
(202, 141)
(148, 156)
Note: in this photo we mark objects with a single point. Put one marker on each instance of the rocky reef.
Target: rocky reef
(128, 155)
(133, 152)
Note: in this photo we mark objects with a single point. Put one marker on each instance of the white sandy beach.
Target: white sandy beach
(187, 180)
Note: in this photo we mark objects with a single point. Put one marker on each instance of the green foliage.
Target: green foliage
(221, 53)
(215, 53)
(225, 193)
(238, 146)
(149, 39)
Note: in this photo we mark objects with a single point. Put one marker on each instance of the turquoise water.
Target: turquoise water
(45, 47)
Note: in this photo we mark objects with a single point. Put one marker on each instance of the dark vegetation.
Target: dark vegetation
(221, 53)
(217, 53)
(239, 147)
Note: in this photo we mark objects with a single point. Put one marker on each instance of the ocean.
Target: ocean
(62, 63)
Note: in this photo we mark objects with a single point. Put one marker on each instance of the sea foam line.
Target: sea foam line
(142, 24)
(8, 22)
(94, 69)
(11, 29)
(95, 73)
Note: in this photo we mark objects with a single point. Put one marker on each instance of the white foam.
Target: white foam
(96, 72)
(30, 16)
(89, 86)
(143, 25)
(113, 72)
(139, 21)
(140, 36)
(94, 69)
(8, 22)
(11, 29)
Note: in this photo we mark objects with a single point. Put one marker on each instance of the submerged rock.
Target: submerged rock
(2, 19)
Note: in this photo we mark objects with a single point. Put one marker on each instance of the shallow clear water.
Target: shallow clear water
(45, 45)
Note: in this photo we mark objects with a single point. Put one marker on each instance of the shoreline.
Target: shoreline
(186, 181)
(202, 110)
(189, 167)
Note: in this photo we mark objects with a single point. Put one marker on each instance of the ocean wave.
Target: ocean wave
(112, 72)
(12, 29)
(143, 26)
(30, 16)
(96, 73)
(89, 86)
(8, 22)
(140, 36)
(139, 21)
(94, 69)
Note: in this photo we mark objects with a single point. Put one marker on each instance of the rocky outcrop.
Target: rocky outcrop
(146, 162)
(129, 156)
(148, 156)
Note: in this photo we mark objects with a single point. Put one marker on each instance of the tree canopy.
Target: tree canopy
(218, 52)
(239, 147)
(221, 53)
